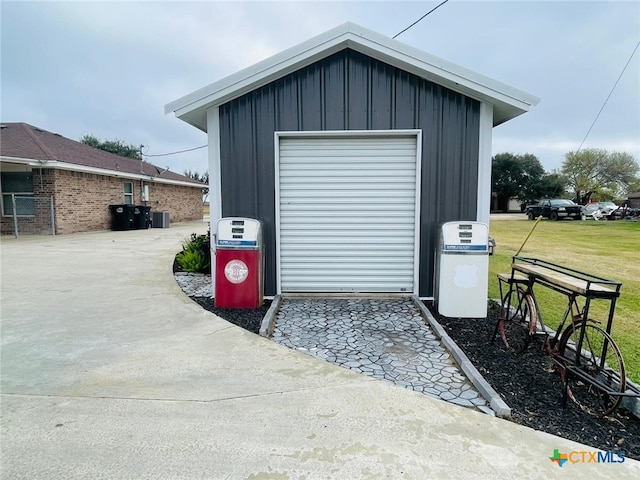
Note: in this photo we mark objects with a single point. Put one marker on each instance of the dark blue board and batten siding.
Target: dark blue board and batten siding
(351, 91)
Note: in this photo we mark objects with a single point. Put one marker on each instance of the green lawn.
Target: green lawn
(606, 249)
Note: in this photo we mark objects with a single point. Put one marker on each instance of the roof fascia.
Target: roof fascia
(509, 102)
(56, 164)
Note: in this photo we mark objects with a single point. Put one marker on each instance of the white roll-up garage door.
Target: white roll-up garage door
(347, 214)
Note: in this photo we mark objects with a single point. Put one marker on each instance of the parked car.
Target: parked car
(554, 209)
(598, 210)
(608, 211)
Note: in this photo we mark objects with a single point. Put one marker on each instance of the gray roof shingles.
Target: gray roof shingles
(21, 140)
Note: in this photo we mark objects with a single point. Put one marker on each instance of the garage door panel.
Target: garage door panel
(330, 245)
(330, 285)
(347, 214)
(333, 205)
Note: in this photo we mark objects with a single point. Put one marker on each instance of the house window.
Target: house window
(128, 193)
(19, 184)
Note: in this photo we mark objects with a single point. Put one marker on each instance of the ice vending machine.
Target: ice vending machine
(239, 263)
(462, 270)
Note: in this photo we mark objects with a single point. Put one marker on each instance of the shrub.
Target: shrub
(193, 261)
(196, 254)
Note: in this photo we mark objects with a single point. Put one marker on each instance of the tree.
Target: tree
(516, 176)
(552, 185)
(204, 178)
(596, 172)
(113, 146)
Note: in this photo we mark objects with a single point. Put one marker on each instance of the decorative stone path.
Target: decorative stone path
(385, 338)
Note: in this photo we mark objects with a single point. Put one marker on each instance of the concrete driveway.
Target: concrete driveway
(109, 371)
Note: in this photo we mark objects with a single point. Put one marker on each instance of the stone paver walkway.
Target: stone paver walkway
(384, 338)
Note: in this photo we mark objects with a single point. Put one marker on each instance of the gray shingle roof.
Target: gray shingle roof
(24, 141)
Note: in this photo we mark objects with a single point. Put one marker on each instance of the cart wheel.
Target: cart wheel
(518, 319)
(601, 361)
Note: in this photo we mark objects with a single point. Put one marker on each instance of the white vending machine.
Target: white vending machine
(462, 270)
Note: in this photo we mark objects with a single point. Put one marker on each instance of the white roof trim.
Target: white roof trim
(508, 102)
(97, 171)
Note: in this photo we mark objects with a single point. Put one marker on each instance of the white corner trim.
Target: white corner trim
(215, 186)
(484, 163)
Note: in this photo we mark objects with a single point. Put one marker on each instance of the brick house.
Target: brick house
(72, 184)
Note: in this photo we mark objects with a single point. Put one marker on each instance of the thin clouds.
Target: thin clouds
(108, 68)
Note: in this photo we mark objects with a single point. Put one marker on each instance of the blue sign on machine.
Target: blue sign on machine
(237, 243)
(480, 248)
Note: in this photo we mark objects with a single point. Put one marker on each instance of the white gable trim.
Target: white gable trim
(508, 102)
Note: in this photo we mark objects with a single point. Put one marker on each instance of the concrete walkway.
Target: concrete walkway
(110, 371)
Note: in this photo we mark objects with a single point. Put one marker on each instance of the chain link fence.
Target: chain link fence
(32, 215)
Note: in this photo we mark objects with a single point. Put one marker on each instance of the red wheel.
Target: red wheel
(600, 359)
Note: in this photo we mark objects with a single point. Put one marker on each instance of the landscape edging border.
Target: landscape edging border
(268, 321)
(495, 400)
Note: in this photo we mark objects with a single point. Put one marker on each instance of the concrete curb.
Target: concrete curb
(495, 401)
(268, 322)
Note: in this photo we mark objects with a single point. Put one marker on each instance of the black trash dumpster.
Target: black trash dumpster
(141, 217)
(121, 217)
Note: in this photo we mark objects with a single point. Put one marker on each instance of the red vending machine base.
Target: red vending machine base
(238, 277)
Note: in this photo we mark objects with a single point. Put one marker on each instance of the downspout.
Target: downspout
(141, 180)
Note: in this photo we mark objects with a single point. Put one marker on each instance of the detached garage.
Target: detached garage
(351, 148)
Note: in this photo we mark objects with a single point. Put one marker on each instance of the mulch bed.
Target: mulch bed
(245, 318)
(528, 385)
(524, 381)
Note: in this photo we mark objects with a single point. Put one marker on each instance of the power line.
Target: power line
(608, 96)
(420, 19)
(397, 34)
(174, 153)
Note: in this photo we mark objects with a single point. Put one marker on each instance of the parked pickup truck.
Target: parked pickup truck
(554, 209)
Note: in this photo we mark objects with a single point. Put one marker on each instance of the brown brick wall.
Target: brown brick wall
(82, 200)
(183, 203)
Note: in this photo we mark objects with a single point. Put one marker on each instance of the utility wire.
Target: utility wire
(174, 153)
(608, 96)
(420, 19)
(397, 34)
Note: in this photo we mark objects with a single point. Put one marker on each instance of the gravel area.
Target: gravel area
(524, 381)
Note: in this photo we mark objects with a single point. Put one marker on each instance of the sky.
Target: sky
(109, 68)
